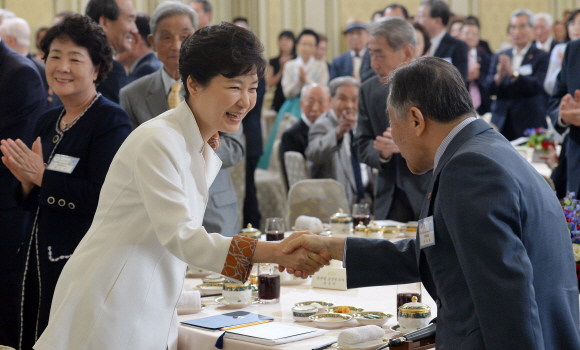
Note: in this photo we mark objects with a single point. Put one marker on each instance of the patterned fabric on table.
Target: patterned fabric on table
(319, 198)
(238, 262)
(295, 167)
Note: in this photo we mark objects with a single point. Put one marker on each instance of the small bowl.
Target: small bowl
(384, 317)
(330, 320)
(302, 313)
(214, 278)
(352, 309)
(323, 304)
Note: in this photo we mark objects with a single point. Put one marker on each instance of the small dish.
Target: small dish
(399, 329)
(197, 272)
(323, 304)
(384, 317)
(351, 309)
(190, 310)
(330, 320)
(222, 301)
(302, 313)
(213, 278)
(210, 287)
(370, 347)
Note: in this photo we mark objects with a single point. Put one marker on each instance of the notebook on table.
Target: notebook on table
(274, 333)
(229, 319)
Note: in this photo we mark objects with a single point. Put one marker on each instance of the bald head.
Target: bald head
(314, 100)
(16, 33)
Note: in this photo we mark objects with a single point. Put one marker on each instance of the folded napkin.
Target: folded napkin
(360, 336)
(189, 300)
(309, 223)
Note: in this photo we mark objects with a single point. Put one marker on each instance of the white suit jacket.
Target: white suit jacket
(120, 287)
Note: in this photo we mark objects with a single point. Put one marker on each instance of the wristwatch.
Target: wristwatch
(515, 75)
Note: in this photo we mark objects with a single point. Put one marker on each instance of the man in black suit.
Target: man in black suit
(140, 60)
(398, 192)
(117, 18)
(434, 15)
(22, 101)
(350, 62)
(564, 109)
(516, 77)
(314, 100)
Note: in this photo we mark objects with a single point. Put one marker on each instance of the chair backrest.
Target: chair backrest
(275, 164)
(295, 167)
(285, 123)
(319, 198)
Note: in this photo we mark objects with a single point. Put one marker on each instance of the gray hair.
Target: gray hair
(342, 81)
(204, 3)
(17, 28)
(524, 12)
(170, 9)
(4, 14)
(306, 89)
(397, 31)
(545, 16)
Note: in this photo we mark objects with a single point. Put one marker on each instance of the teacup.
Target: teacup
(236, 293)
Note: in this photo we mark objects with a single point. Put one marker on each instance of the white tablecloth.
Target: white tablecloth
(381, 298)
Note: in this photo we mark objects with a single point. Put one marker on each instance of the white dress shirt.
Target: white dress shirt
(435, 41)
(546, 45)
(357, 61)
(518, 56)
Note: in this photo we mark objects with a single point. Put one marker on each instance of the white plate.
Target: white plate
(372, 321)
(222, 301)
(190, 310)
(371, 347)
(330, 321)
(211, 287)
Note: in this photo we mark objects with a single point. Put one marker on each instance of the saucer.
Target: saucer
(222, 301)
(370, 347)
(190, 310)
(399, 329)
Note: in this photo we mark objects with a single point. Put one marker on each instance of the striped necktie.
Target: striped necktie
(174, 99)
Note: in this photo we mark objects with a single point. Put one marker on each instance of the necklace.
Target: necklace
(69, 125)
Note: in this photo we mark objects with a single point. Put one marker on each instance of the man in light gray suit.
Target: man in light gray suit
(329, 153)
(147, 97)
(398, 192)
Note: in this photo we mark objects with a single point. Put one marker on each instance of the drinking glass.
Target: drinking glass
(274, 229)
(268, 283)
(361, 212)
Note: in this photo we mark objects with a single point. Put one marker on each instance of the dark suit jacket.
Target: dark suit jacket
(148, 64)
(253, 123)
(294, 139)
(484, 61)
(22, 101)
(522, 100)
(455, 51)
(483, 47)
(366, 72)
(554, 43)
(114, 82)
(568, 82)
(341, 66)
(501, 270)
(373, 120)
(41, 69)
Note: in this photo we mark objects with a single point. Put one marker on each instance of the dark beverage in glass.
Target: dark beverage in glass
(365, 219)
(274, 235)
(403, 298)
(269, 287)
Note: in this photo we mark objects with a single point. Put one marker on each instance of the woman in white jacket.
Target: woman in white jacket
(120, 287)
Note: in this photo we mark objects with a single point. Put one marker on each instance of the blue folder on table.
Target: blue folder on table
(230, 319)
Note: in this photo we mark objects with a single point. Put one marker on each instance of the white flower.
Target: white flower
(576, 248)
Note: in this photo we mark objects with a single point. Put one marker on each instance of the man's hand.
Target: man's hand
(299, 262)
(346, 121)
(473, 73)
(551, 158)
(570, 109)
(386, 145)
(504, 68)
(328, 248)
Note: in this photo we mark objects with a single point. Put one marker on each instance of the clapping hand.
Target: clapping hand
(299, 261)
(386, 145)
(473, 73)
(570, 109)
(25, 164)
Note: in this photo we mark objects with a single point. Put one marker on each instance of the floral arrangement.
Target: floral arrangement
(540, 139)
(572, 212)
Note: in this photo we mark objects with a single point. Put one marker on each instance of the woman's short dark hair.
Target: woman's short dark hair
(86, 33)
(413, 85)
(426, 41)
(224, 49)
(288, 34)
(573, 15)
(309, 32)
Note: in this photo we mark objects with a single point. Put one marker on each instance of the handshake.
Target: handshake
(304, 253)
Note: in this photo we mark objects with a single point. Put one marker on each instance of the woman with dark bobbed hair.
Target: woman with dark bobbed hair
(62, 174)
(120, 288)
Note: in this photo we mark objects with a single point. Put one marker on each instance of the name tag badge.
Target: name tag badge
(526, 69)
(448, 59)
(63, 164)
(426, 232)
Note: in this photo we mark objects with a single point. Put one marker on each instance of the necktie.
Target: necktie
(473, 88)
(356, 63)
(174, 99)
(360, 190)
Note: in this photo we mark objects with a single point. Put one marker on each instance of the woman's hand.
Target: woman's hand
(25, 164)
